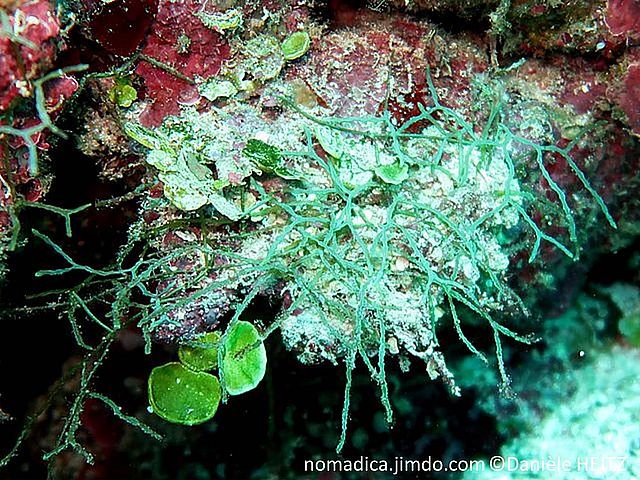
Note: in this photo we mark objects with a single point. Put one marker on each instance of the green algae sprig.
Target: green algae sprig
(188, 183)
(267, 158)
(296, 45)
(180, 395)
(122, 93)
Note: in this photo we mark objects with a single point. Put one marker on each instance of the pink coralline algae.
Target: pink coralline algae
(30, 186)
(583, 91)
(623, 17)
(630, 98)
(200, 54)
(27, 51)
(57, 91)
(349, 70)
(120, 26)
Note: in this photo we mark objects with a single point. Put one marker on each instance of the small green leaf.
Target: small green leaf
(266, 157)
(245, 359)
(224, 206)
(183, 191)
(629, 327)
(148, 137)
(394, 174)
(221, 21)
(189, 184)
(180, 395)
(296, 45)
(202, 356)
(123, 95)
(162, 160)
(215, 88)
(332, 142)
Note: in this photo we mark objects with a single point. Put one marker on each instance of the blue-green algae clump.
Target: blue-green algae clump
(377, 233)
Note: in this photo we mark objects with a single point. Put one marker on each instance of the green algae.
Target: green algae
(202, 354)
(394, 174)
(180, 395)
(245, 359)
(391, 230)
(188, 184)
(626, 297)
(265, 156)
(296, 45)
(629, 327)
(123, 94)
(221, 22)
(215, 88)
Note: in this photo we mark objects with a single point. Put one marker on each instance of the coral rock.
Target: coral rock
(202, 57)
(29, 53)
(623, 17)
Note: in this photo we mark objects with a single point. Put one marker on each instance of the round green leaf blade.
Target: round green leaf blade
(296, 45)
(245, 359)
(202, 356)
(180, 395)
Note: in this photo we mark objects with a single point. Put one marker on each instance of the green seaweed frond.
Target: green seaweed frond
(343, 225)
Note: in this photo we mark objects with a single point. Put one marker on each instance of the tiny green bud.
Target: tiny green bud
(296, 45)
(394, 174)
(123, 95)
